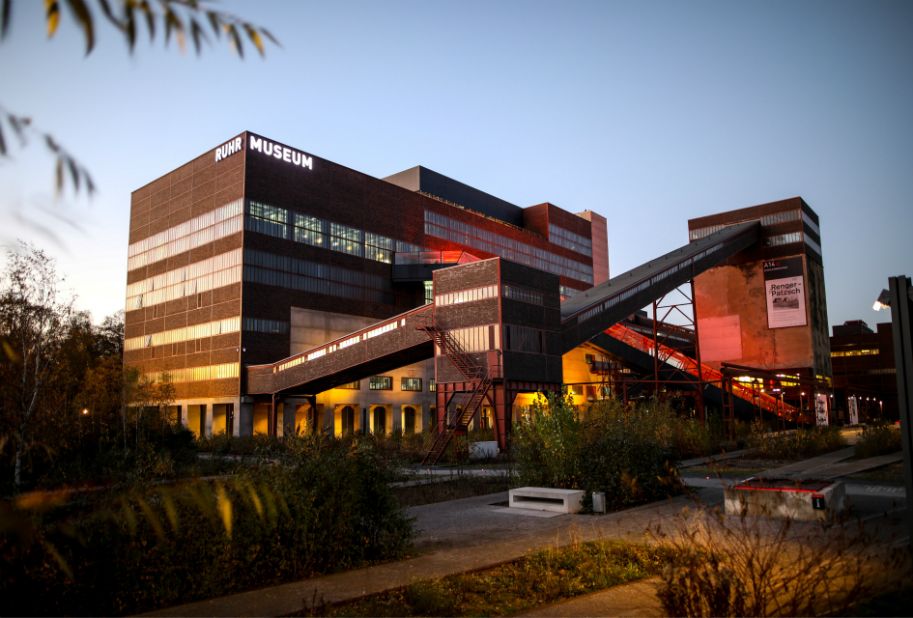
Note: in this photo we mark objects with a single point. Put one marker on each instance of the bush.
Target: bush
(878, 440)
(796, 444)
(625, 453)
(327, 508)
(744, 566)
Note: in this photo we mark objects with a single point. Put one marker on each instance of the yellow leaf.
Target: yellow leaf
(224, 505)
(52, 14)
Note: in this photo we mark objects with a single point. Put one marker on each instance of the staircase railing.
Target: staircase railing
(460, 418)
(688, 365)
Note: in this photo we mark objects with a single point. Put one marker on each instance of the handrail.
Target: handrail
(689, 365)
(340, 343)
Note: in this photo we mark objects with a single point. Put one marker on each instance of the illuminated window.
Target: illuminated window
(410, 384)
(858, 352)
(351, 386)
(203, 229)
(380, 383)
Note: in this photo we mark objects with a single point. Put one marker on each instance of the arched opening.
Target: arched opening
(348, 420)
(408, 420)
(380, 420)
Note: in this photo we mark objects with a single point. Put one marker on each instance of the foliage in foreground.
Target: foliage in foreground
(626, 453)
(753, 566)
(878, 440)
(325, 508)
(797, 444)
(544, 577)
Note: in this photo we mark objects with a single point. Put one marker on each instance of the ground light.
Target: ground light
(899, 298)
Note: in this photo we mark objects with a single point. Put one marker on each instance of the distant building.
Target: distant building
(864, 370)
(766, 307)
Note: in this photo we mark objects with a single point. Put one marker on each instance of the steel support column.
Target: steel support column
(901, 310)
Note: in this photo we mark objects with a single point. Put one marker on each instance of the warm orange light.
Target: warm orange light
(85, 411)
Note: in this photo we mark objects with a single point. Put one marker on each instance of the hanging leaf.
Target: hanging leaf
(254, 37)
(215, 23)
(52, 15)
(58, 175)
(235, 39)
(109, 14)
(129, 25)
(270, 36)
(74, 172)
(2, 142)
(198, 35)
(5, 17)
(150, 18)
(81, 11)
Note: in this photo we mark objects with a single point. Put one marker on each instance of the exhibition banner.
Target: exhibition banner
(784, 286)
(821, 409)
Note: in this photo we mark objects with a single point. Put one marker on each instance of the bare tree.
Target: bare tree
(34, 321)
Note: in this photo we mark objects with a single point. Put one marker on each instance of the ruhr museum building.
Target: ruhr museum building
(256, 252)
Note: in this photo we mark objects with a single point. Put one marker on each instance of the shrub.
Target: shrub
(743, 566)
(628, 455)
(796, 444)
(878, 440)
(327, 508)
(625, 453)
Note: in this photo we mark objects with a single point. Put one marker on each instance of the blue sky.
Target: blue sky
(649, 113)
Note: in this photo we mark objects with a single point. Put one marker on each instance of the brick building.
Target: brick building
(255, 251)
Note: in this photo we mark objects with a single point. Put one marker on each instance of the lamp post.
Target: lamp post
(900, 300)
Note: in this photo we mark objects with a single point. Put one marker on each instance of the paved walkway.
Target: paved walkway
(453, 537)
(473, 533)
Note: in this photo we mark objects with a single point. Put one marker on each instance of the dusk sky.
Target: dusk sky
(649, 113)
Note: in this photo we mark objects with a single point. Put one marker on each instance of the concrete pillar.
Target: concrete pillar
(206, 415)
(245, 419)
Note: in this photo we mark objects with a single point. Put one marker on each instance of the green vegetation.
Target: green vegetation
(797, 444)
(628, 453)
(878, 440)
(326, 507)
(544, 577)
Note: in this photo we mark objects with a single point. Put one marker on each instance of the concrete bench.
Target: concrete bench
(806, 500)
(546, 499)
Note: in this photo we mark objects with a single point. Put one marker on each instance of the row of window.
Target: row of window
(196, 232)
(215, 272)
(262, 325)
(466, 296)
(478, 338)
(280, 223)
(187, 333)
(313, 285)
(508, 248)
(766, 220)
(318, 270)
(858, 352)
(197, 374)
(524, 294)
(385, 383)
(569, 240)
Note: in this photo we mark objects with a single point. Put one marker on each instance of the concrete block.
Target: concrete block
(806, 500)
(547, 499)
(487, 449)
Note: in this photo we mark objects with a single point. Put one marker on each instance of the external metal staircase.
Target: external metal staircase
(457, 421)
(689, 366)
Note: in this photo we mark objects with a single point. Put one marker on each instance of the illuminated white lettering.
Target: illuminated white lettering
(283, 153)
(227, 149)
